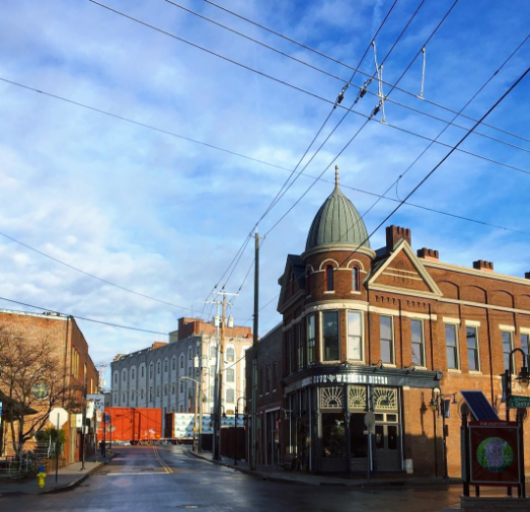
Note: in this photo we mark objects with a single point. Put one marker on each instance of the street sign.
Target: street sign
(519, 402)
(58, 417)
(369, 421)
(98, 400)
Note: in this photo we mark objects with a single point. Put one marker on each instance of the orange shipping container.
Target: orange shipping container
(131, 424)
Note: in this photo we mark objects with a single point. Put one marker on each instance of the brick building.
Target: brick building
(77, 370)
(385, 331)
(151, 377)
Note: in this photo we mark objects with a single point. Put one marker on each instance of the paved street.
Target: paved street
(143, 479)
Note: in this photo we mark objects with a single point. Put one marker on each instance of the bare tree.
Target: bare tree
(32, 382)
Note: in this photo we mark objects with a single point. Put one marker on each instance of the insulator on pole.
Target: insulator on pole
(420, 95)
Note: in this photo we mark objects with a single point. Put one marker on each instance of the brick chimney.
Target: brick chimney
(428, 254)
(394, 234)
(487, 266)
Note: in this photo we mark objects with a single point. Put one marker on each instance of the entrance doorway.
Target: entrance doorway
(387, 443)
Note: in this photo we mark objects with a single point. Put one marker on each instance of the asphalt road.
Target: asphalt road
(148, 479)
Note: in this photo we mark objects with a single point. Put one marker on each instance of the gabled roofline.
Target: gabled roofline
(403, 245)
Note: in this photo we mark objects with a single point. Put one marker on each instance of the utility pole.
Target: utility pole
(254, 408)
(219, 363)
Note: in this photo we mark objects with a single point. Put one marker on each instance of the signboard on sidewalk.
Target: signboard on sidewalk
(519, 402)
(494, 453)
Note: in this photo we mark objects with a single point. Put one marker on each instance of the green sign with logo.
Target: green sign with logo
(519, 402)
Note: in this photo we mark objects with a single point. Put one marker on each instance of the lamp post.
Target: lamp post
(438, 404)
(195, 412)
(523, 377)
(235, 432)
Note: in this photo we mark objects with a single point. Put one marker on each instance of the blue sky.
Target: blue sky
(165, 216)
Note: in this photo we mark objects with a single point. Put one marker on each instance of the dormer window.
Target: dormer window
(355, 280)
(329, 278)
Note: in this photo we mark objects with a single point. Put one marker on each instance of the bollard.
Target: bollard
(41, 475)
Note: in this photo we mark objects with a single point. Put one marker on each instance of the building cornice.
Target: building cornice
(474, 272)
(339, 248)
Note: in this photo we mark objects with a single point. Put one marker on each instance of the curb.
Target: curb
(347, 483)
(79, 481)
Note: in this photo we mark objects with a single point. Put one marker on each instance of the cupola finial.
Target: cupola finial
(336, 175)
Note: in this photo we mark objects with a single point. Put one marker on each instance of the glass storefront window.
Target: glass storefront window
(333, 436)
(331, 335)
(379, 437)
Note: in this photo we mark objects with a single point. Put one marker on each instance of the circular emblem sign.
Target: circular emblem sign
(40, 390)
(494, 454)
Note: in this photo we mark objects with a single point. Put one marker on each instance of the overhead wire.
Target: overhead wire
(88, 274)
(337, 61)
(371, 116)
(78, 317)
(434, 169)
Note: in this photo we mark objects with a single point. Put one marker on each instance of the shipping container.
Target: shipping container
(131, 424)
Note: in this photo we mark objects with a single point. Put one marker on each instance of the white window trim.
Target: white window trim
(421, 321)
(473, 325)
(507, 328)
(321, 334)
(524, 330)
(457, 339)
(392, 335)
(451, 320)
(362, 359)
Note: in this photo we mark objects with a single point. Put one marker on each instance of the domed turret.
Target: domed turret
(337, 222)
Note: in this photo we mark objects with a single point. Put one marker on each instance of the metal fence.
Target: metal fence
(13, 466)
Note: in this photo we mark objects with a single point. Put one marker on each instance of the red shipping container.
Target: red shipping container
(132, 424)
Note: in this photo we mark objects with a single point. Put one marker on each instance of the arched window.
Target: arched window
(230, 396)
(151, 370)
(132, 373)
(174, 363)
(329, 278)
(230, 355)
(124, 375)
(230, 375)
(166, 365)
(182, 360)
(355, 279)
(143, 373)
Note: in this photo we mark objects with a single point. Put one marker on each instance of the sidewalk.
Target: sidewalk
(69, 477)
(273, 474)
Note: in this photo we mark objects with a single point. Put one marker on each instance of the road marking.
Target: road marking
(167, 469)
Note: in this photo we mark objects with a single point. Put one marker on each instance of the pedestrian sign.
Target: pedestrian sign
(518, 402)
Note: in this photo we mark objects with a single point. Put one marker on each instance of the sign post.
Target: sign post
(369, 421)
(61, 417)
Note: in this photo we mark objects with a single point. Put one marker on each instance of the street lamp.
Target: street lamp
(523, 377)
(195, 412)
(235, 432)
(438, 405)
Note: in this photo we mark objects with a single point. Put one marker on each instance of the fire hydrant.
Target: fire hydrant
(41, 475)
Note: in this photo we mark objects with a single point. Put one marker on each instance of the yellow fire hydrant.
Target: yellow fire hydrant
(41, 475)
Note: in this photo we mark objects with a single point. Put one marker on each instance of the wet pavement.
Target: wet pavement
(163, 478)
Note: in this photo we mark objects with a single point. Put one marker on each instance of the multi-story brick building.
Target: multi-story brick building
(77, 372)
(385, 331)
(152, 377)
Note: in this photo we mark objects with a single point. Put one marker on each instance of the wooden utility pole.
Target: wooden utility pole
(254, 408)
(219, 375)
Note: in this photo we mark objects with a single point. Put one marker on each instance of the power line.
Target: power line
(284, 186)
(305, 91)
(105, 281)
(429, 174)
(368, 118)
(270, 164)
(321, 54)
(120, 326)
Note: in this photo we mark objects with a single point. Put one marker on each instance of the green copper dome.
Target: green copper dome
(337, 222)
